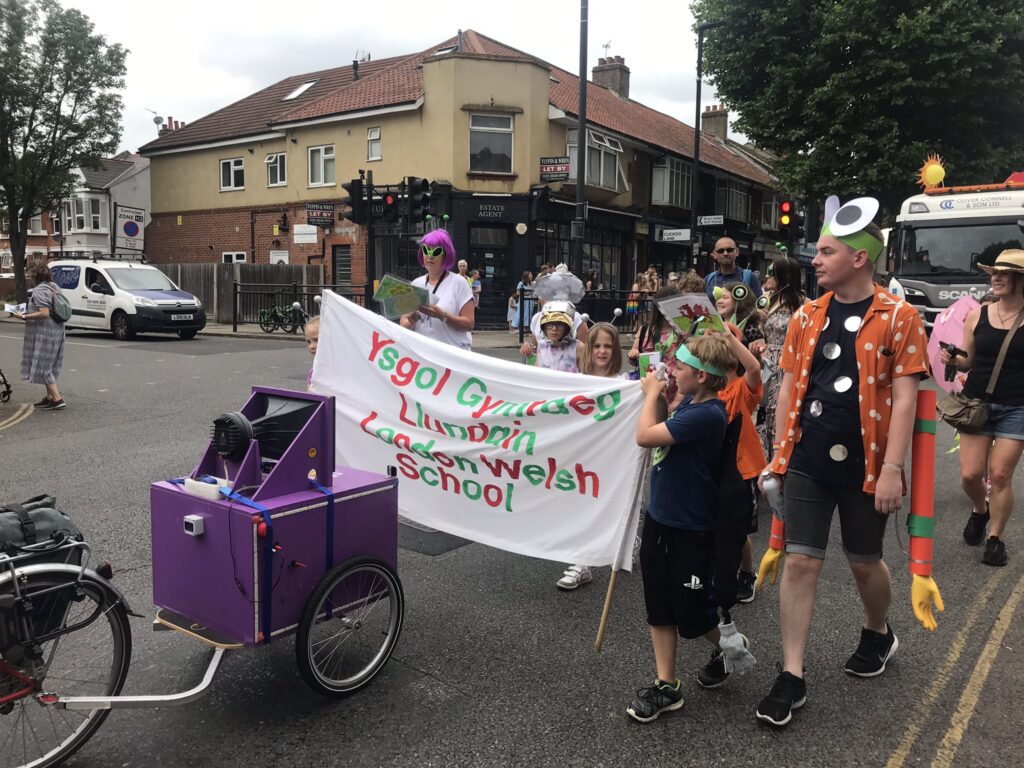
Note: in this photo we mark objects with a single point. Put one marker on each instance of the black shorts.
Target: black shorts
(678, 568)
(809, 506)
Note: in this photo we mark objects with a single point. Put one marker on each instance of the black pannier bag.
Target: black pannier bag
(35, 521)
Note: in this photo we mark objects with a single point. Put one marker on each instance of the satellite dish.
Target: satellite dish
(157, 120)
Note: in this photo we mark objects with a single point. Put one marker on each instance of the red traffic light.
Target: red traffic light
(389, 199)
(786, 207)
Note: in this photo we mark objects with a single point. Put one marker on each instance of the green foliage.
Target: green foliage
(854, 94)
(59, 109)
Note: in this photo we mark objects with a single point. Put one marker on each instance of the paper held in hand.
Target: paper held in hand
(689, 310)
(13, 308)
(649, 361)
(399, 297)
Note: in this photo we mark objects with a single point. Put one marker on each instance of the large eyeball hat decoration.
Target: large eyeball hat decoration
(848, 226)
(559, 285)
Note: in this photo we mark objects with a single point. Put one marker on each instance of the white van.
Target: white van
(126, 297)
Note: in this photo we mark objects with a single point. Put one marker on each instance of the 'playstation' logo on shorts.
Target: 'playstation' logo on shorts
(693, 583)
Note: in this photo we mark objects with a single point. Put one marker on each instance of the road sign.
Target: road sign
(129, 232)
(320, 214)
(711, 221)
(675, 235)
(554, 169)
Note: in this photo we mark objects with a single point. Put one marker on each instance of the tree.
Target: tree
(854, 95)
(59, 109)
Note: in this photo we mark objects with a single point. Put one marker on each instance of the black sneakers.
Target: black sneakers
(995, 552)
(745, 591)
(974, 531)
(651, 702)
(55, 405)
(713, 674)
(789, 693)
(42, 403)
(873, 653)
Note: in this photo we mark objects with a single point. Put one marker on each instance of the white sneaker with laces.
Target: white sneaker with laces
(574, 576)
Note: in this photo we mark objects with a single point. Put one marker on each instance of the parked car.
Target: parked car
(126, 297)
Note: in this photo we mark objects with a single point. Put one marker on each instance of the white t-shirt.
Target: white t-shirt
(451, 295)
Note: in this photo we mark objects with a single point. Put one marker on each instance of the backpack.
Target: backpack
(746, 275)
(61, 306)
(733, 490)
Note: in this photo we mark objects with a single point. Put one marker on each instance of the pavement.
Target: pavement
(495, 666)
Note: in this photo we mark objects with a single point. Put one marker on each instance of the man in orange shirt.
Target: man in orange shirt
(853, 360)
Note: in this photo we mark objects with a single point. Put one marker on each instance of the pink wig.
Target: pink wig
(438, 237)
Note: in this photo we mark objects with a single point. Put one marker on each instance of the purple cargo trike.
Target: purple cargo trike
(265, 538)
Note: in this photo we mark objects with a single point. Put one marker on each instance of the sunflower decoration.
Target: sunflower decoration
(931, 173)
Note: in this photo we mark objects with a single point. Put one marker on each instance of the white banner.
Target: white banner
(532, 461)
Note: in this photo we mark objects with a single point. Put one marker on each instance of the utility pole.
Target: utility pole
(579, 224)
(694, 179)
(371, 255)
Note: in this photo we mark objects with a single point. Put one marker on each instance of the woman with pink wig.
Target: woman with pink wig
(451, 313)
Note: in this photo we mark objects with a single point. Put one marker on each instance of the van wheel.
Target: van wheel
(122, 326)
(186, 335)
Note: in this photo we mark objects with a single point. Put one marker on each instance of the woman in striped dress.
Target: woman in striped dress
(43, 352)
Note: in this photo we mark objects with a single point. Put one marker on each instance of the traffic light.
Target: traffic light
(356, 201)
(417, 198)
(785, 219)
(391, 208)
(796, 226)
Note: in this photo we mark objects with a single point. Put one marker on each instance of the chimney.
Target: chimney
(355, 69)
(715, 121)
(613, 74)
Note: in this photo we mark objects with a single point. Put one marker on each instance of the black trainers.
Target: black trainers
(789, 693)
(56, 405)
(651, 702)
(42, 403)
(713, 674)
(974, 531)
(873, 653)
(745, 591)
(995, 552)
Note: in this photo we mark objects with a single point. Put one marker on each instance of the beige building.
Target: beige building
(475, 117)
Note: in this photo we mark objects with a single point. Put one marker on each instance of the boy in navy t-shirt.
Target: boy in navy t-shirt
(677, 554)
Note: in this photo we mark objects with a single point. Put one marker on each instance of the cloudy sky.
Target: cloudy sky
(191, 57)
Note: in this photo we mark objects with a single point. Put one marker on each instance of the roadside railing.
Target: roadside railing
(249, 300)
(599, 306)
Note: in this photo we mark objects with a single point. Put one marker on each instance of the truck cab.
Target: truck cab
(942, 235)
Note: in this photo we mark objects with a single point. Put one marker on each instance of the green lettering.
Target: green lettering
(535, 473)
(564, 481)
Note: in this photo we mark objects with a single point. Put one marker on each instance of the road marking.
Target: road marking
(102, 390)
(972, 692)
(919, 718)
(24, 411)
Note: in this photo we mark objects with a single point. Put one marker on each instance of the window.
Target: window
(232, 174)
(233, 257)
(604, 168)
(373, 143)
(55, 222)
(94, 211)
(79, 213)
(731, 200)
(277, 170)
(321, 166)
(300, 90)
(670, 182)
(490, 143)
(770, 211)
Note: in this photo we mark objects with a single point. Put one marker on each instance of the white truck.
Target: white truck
(943, 234)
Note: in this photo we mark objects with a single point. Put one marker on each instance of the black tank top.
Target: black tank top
(987, 343)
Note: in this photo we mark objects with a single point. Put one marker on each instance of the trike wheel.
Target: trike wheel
(350, 626)
(90, 659)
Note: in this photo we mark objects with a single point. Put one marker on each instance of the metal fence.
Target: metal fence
(250, 299)
(599, 306)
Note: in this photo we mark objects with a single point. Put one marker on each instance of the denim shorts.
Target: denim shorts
(1004, 421)
(809, 509)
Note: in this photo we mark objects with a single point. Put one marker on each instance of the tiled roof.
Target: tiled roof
(399, 80)
(106, 172)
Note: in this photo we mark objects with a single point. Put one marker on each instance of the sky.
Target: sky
(191, 57)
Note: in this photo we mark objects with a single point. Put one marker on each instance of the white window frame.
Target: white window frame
(235, 165)
(33, 229)
(233, 257)
(770, 211)
(57, 222)
(671, 179)
(511, 131)
(97, 217)
(373, 143)
(277, 161)
(79, 214)
(609, 150)
(324, 157)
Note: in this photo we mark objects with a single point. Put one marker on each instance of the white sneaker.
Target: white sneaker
(574, 576)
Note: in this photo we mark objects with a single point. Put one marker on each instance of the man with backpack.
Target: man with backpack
(725, 255)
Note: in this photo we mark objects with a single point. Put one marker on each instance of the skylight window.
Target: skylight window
(449, 49)
(299, 91)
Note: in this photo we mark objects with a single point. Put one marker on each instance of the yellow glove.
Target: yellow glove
(771, 564)
(923, 592)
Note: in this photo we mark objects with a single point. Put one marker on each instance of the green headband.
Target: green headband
(685, 356)
(859, 241)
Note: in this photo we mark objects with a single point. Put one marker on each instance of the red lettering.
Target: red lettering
(501, 466)
(582, 404)
(367, 420)
(443, 381)
(378, 344)
(581, 481)
(552, 466)
(533, 406)
(492, 502)
(408, 466)
(403, 411)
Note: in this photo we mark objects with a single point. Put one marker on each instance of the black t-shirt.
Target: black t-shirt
(831, 447)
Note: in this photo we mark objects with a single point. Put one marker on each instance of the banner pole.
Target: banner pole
(604, 614)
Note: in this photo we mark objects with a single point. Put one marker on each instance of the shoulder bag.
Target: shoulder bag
(970, 414)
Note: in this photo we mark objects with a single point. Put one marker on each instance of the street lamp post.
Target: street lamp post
(579, 225)
(694, 180)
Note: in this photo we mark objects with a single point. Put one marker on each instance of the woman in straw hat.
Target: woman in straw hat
(996, 449)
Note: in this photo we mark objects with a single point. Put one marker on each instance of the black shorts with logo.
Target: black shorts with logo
(678, 568)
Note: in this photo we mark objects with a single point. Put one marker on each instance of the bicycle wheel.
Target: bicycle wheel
(286, 321)
(350, 626)
(267, 321)
(90, 659)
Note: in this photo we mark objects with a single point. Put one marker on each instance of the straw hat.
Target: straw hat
(1010, 260)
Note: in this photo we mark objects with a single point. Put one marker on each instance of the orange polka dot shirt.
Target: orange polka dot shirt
(891, 342)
